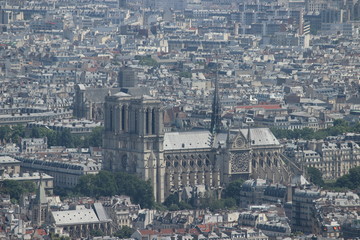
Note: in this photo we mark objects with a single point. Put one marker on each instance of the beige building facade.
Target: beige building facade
(333, 159)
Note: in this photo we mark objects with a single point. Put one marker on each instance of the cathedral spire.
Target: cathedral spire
(40, 193)
(40, 205)
(249, 136)
(216, 110)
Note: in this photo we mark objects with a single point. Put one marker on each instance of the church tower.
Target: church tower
(133, 138)
(40, 206)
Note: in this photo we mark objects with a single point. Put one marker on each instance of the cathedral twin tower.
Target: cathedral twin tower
(133, 138)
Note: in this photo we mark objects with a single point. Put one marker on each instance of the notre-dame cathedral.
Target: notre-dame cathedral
(134, 141)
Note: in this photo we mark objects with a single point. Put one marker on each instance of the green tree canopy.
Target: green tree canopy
(12, 133)
(108, 184)
(350, 180)
(340, 126)
(172, 199)
(140, 191)
(232, 190)
(16, 188)
(315, 176)
(124, 232)
(185, 74)
(96, 233)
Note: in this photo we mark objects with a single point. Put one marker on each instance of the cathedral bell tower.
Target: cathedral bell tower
(133, 138)
(40, 206)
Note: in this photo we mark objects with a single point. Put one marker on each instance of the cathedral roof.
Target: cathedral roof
(97, 95)
(136, 91)
(186, 140)
(202, 139)
(122, 94)
(260, 136)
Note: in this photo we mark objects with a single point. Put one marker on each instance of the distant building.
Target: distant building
(122, 3)
(32, 145)
(20, 118)
(9, 165)
(323, 213)
(127, 77)
(81, 221)
(65, 174)
(74, 126)
(257, 192)
(121, 210)
(333, 159)
(303, 211)
(88, 102)
(35, 177)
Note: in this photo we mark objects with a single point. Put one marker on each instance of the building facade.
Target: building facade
(9, 165)
(333, 158)
(64, 174)
(134, 141)
(88, 102)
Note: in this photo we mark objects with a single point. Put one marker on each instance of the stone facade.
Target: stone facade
(133, 138)
(88, 102)
(134, 141)
(333, 159)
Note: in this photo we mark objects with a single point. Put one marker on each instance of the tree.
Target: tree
(105, 184)
(54, 236)
(108, 184)
(185, 74)
(147, 60)
(17, 132)
(96, 233)
(174, 207)
(232, 190)
(340, 122)
(307, 133)
(15, 188)
(140, 191)
(172, 199)
(65, 139)
(184, 205)
(124, 232)
(5, 133)
(215, 204)
(344, 182)
(51, 138)
(350, 180)
(28, 186)
(95, 138)
(354, 175)
(356, 127)
(340, 126)
(315, 176)
(230, 203)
